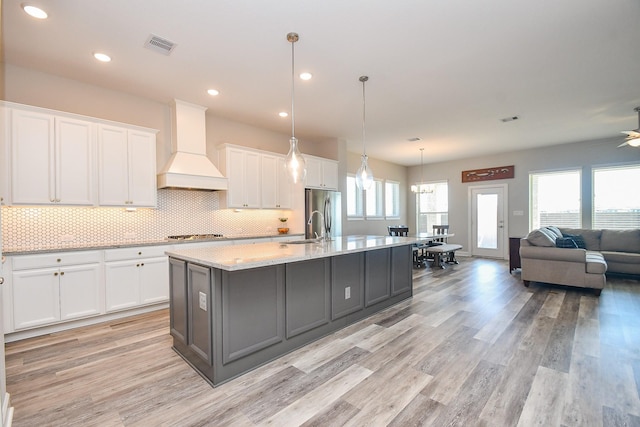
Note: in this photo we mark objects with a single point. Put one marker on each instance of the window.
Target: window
(616, 201)
(432, 205)
(374, 200)
(392, 199)
(555, 199)
(354, 199)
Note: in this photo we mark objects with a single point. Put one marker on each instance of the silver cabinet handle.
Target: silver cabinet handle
(1, 280)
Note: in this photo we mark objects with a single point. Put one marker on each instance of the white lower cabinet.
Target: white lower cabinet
(60, 289)
(135, 277)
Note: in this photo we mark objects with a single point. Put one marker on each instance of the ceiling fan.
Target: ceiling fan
(633, 136)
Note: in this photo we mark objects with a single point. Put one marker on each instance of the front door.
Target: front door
(488, 220)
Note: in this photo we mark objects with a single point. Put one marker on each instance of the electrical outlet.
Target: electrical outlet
(203, 301)
(347, 292)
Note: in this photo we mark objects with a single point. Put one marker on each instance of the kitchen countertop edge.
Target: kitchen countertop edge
(120, 245)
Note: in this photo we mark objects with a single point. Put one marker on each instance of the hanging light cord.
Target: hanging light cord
(421, 168)
(293, 38)
(363, 79)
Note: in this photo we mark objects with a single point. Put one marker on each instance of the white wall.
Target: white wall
(582, 155)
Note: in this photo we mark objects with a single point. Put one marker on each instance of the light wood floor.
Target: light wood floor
(472, 348)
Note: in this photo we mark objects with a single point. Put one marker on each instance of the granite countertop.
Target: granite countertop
(69, 247)
(242, 257)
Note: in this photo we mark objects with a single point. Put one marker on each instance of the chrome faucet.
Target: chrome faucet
(322, 232)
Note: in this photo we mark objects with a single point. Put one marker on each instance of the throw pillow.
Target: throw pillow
(578, 239)
(555, 230)
(541, 237)
(566, 242)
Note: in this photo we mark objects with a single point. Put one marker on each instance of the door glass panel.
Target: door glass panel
(487, 221)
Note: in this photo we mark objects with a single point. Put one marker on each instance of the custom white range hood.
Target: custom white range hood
(189, 167)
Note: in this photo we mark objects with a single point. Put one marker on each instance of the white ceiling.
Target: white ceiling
(444, 71)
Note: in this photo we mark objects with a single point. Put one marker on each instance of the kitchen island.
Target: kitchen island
(235, 308)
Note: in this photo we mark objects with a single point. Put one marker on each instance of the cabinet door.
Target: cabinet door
(5, 127)
(80, 291)
(314, 172)
(347, 284)
(330, 175)
(252, 310)
(235, 173)
(122, 287)
(307, 295)
(36, 297)
(178, 295)
(377, 277)
(154, 280)
(269, 181)
(401, 269)
(200, 311)
(32, 158)
(74, 161)
(142, 169)
(252, 179)
(113, 169)
(285, 186)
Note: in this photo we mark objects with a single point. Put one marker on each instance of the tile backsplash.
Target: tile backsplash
(178, 212)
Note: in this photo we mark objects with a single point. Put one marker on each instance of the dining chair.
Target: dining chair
(398, 230)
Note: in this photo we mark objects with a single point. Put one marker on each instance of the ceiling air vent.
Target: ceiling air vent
(160, 44)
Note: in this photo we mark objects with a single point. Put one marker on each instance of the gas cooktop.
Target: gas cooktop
(194, 236)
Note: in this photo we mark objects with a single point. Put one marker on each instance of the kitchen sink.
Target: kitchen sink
(301, 242)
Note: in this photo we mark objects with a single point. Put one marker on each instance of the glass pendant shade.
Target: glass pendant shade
(364, 177)
(294, 163)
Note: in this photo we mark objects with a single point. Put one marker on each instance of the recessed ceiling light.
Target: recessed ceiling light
(102, 57)
(36, 12)
(306, 76)
(213, 92)
(283, 114)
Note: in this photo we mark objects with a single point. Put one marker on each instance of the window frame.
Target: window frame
(359, 195)
(594, 212)
(377, 189)
(395, 199)
(532, 202)
(429, 227)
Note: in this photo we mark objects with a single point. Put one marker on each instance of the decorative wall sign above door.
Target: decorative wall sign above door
(500, 172)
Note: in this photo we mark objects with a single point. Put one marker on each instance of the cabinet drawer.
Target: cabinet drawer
(23, 262)
(136, 252)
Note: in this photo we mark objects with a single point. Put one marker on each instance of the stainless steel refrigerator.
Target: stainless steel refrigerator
(329, 203)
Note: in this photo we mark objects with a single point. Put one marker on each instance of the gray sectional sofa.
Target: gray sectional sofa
(584, 258)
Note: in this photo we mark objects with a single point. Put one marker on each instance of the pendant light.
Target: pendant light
(294, 164)
(421, 188)
(364, 176)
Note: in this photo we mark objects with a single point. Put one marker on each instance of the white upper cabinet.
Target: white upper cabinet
(127, 167)
(52, 159)
(321, 173)
(5, 127)
(242, 169)
(276, 187)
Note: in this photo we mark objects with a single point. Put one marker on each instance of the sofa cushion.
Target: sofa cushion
(620, 240)
(622, 257)
(596, 263)
(541, 237)
(591, 237)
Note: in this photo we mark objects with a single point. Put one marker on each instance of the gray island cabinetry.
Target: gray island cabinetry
(234, 308)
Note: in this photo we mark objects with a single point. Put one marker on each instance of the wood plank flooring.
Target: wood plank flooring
(473, 347)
